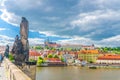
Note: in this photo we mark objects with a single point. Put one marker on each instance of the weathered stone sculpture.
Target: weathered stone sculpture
(17, 50)
(6, 54)
(24, 28)
(21, 46)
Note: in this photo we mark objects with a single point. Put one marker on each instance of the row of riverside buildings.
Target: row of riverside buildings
(87, 53)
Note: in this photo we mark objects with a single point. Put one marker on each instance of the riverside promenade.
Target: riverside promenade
(3, 72)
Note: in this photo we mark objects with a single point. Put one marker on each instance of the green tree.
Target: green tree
(32, 60)
(40, 61)
(56, 56)
(46, 47)
(62, 59)
(11, 58)
(38, 47)
(50, 56)
(61, 49)
(40, 58)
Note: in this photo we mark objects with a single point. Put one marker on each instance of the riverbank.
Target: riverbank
(52, 64)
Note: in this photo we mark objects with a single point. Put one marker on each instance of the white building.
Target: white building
(108, 59)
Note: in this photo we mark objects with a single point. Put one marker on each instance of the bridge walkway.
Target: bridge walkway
(3, 72)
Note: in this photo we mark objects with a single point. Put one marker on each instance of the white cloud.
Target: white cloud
(28, 5)
(96, 32)
(109, 42)
(35, 41)
(1, 29)
(2, 3)
(112, 39)
(4, 40)
(5, 37)
(52, 34)
(76, 40)
(24, 4)
(91, 20)
(48, 33)
(9, 17)
(48, 9)
(52, 18)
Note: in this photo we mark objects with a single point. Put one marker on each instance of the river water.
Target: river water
(76, 73)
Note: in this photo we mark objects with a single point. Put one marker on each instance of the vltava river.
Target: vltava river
(76, 73)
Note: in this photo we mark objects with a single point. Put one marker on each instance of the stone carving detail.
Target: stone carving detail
(21, 46)
(17, 50)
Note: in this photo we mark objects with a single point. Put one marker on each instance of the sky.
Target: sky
(83, 22)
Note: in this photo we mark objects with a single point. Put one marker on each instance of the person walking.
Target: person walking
(1, 58)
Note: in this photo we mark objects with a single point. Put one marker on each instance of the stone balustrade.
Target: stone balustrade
(13, 72)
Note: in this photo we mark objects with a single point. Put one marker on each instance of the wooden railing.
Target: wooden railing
(13, 72)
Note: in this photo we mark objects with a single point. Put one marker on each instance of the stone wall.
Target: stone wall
(13, 72)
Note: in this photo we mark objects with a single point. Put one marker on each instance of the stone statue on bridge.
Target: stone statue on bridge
(20, 50)
(6, 54)
(17, 51)
(24, 29)
(21, 46)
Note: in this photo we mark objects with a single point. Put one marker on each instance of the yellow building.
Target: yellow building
(88, 55)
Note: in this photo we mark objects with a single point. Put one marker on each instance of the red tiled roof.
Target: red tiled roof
(109, 57)
(89, 51)
(53, 59)
(34, 53)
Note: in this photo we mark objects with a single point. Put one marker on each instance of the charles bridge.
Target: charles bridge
(20, 69)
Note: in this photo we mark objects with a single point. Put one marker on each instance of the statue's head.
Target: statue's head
(7, 46)
(23, 18)
(17, 37)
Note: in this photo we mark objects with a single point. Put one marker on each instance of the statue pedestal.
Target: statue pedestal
(30, 69)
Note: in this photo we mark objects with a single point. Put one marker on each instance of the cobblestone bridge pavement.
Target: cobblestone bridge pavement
(3, 72)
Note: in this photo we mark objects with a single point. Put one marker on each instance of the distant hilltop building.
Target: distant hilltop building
(88, 47)
(51, 44)
(79, 46)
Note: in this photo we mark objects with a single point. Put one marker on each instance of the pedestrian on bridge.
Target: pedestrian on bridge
(1, 58)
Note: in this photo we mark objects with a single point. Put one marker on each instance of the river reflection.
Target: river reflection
(76, 73)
